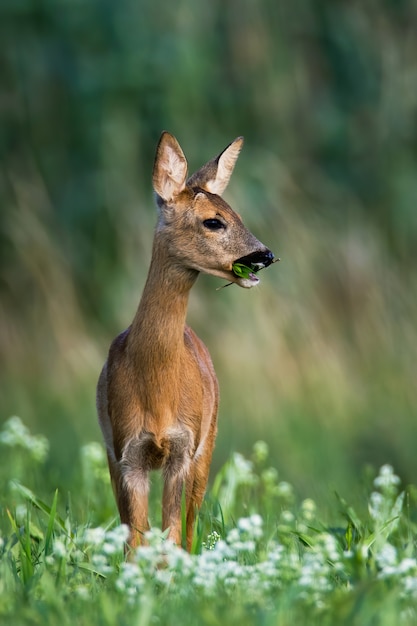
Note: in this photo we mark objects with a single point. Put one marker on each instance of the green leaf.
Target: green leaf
(90, 568)
(243, 271)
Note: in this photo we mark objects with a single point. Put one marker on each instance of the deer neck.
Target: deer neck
(156, 338)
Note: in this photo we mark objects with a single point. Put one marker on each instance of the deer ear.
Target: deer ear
(170, 168)
(214, 176)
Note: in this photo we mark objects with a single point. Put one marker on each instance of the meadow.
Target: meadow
(311, 508)
(259, 556)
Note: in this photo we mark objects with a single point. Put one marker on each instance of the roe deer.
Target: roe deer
(157, 396)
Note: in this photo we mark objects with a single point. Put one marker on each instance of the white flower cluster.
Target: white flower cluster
(230, 564)
(233, 563)
(105, 545)
(243, 538)
(103, 549)
(385, 505)
(245, 561)
(16, 434)
(386, 479)
(94, 463)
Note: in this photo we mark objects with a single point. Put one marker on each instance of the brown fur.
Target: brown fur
(157, 396)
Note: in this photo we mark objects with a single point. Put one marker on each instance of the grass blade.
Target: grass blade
(39, 504)
(51, 523)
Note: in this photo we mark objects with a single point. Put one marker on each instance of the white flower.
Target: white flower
(275, 552)
(94, 463)
(386, 478)
(233, 536)
(21, 513)
(314, 572)
(116, 538)
(60, 549)
(308, 509)
(285, 490)
(95, 536)
(387, 556)
(270, 477)
(109, 548)
(287, 517)
(93, 453)
(15, 433)
(329, 547)
(406, 565)
(83, 592)
(130, 579)
(376, 505)
(221, 551)
(77, 556)
(410, 585)
(180, 560)
(212, 539)
(39, 448)
(251, 525)
(101, 564)
(243, 469)
(260, 451)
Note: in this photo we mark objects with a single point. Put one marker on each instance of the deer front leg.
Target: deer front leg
(196, 488)
(132, 502)
(177, 468)
(171, 507)
(132, 488)
(198, 477)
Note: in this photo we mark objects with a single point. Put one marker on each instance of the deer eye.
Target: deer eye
(213, 224)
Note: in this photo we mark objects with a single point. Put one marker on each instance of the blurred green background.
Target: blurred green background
(320, 360)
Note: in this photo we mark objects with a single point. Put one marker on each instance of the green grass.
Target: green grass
(261, 555)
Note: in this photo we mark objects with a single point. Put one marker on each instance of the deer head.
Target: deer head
(198, 229)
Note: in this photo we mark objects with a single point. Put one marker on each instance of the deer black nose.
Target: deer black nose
(266, 257)
(257, 260)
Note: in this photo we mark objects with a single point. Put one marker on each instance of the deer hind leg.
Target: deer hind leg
(140, 455)
(176, 470)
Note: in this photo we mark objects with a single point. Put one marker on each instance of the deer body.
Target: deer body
(157, 396)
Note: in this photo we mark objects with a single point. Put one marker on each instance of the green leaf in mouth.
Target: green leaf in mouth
(243, 271)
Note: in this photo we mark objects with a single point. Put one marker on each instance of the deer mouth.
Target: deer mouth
(244, 268)
(257, 260)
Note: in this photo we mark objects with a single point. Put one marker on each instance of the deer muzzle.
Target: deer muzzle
(246, 267)
(257, 260)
